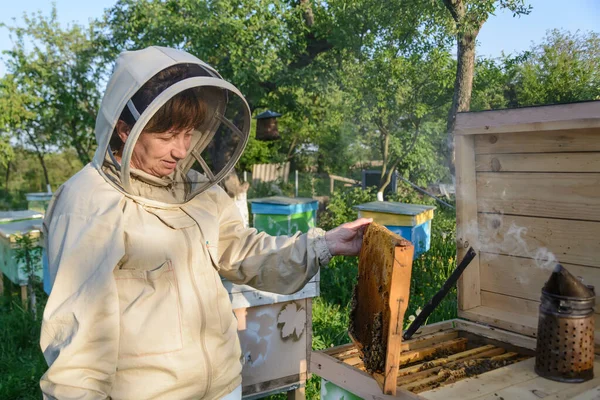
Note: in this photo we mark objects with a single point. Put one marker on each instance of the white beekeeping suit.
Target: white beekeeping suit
(137, 309)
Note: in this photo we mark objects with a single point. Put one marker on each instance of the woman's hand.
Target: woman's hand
(346, 239)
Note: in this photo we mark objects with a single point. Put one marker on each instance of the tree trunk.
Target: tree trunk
(40, 156)
(463, 87)
(81, 153)
(7, 175)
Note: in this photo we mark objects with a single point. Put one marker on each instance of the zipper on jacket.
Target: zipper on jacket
(202, 314)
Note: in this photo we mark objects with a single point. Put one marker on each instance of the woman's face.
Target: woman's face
(158, 153)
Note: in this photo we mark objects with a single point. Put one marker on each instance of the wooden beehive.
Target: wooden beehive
(528, 185)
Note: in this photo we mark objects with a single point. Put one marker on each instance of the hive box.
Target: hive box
(280, 215)
(528, 196)
(12, 224)
(275, 330)
(411, 221)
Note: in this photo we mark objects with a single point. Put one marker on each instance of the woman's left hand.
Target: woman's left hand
(346, 239)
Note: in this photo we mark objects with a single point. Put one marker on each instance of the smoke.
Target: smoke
(491, 235)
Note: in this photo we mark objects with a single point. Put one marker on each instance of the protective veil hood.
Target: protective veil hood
(215, 146)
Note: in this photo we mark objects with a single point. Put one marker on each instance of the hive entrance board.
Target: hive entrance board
(380, 301)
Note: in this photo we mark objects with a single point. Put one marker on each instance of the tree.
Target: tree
(52, 85)
(564, 68)
(468, 17)
(283, 55)
(394, 98)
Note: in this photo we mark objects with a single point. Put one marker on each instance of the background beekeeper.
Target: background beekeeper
(138, 239)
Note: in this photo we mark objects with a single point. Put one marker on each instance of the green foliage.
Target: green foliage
(29, 253)
(24, 174)
(562, 69)
(51, 92)
(339, 210)
(21, 361)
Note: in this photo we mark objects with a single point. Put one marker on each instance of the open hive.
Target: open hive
(380, 300)
(527, 185)
(438, 359)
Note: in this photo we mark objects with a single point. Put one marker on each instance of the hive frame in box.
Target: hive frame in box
(539, 167)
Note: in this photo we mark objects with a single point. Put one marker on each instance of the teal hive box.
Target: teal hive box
(411, 221)
(12, 224)
(38, 201)
(280, 215)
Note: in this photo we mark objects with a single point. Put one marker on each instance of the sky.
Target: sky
(500, 33)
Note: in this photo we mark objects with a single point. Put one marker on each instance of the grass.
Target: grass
(21, 361)
(22, 364)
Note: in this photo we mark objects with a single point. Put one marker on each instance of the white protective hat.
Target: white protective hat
(226, 125)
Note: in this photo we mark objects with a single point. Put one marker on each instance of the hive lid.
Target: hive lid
(24, 226)
(12, 216)
(283, 205)
(392, 213)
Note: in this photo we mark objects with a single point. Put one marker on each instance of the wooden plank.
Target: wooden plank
(553, 195)
(380, 301)
(501, 335)
(403, 380)
(538, 387)
(418, 342)
(452, 346)
(542, 162)
(432, 328)
(573, 242)
(24, 297)
(510, 303)
(341, 350)
(525, 307)
(343, 179)
(521, 277)
(257, 298)
(264, 388)
(584, 140)
(297, 394)
(398, 303)
(445, 360)
(466, 221)
(428, 340)
(487, 383)
(355, 381)
(309, 333)
(507, 320)
(514, 315)
(530, 119)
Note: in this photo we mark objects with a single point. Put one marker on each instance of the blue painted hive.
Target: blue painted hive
(411, 221)
(280, 215)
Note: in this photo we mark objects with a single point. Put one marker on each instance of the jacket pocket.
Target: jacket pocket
(150, 321)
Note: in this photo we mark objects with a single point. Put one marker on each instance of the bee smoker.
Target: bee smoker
(565, 339)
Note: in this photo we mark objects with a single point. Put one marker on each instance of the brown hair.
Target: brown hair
(185, 110)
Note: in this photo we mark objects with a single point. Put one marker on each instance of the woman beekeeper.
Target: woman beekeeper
(138, 240)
